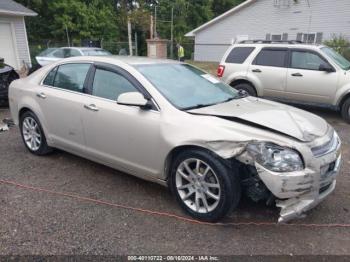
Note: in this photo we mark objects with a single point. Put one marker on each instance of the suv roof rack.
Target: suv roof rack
(293, 42)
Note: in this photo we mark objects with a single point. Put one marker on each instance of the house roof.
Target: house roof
(220, 17)
(10, 7)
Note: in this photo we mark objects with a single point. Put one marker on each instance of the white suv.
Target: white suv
(291, 71)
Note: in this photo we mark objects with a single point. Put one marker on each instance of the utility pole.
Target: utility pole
(136, 47)
(129, 37)
(155, 22)
(68, 41)
(172, 34)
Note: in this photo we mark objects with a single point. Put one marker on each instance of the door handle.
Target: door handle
(41, 95)
(256, 71)
(91, 107)
(297, 74)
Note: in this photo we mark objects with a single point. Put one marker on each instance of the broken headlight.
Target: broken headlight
(276, 158)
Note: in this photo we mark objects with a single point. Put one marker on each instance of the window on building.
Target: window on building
(276, 37)
(309, 38)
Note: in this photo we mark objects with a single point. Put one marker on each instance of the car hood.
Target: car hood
(269, 115)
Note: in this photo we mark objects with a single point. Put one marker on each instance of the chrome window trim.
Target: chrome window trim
(84, 94)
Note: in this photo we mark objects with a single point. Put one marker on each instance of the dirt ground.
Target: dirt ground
(38, 222)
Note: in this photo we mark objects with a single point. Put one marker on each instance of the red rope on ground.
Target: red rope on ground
(164, 214)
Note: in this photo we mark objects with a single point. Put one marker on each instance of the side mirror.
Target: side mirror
(134, 99)
(326, 68)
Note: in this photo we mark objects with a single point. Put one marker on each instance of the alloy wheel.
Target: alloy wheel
(31, 133)
(197, 185)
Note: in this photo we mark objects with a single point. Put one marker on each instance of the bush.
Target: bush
(340, 44)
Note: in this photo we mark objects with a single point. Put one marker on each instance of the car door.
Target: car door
(305, 80)
(125, 137)
(61, 99)
(269, 68)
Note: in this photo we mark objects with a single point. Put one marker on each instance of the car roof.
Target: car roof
(305, 46)
(80, 48)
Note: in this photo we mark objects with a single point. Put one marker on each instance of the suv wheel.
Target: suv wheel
(204, 187)
(246, 87)
(33, 135)
(345, 110)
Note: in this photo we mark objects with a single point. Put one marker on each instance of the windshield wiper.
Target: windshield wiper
(213, 104)
(198, 106)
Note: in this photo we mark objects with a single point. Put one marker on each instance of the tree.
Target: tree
(84, 19)
(221, 6)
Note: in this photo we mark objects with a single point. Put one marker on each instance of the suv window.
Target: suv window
(110, 85)
(71, 76)
(306, 60)
(271, 57)
(239, 54)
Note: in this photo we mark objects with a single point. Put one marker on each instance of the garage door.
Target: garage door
(7, 48)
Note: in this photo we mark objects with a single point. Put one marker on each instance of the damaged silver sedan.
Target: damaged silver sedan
(173, 124)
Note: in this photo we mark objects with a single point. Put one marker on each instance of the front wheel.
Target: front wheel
(204, 186)
(345, 110)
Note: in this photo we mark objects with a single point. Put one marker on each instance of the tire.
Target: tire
(246, 87)
(345, 110)
(31, 130)
(219, 181)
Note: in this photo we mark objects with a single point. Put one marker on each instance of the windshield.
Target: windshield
(337, 58)
(95, 52)
(187, 87)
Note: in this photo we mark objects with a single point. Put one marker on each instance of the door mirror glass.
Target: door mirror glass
(326, 68)
(133, 99)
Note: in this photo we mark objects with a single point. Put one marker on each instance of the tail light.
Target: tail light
(221, 70)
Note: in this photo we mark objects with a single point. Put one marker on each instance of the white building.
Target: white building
(311, 21)
(13, 35)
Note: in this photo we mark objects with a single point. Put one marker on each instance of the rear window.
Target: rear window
(271, 57)
(239, 54)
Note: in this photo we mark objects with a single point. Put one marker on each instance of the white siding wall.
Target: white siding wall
(21, 46)
(262, 17)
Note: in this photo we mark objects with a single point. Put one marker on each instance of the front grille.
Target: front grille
(326, 148)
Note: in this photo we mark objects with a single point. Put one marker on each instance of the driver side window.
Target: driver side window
(306, 60)
(110, 85)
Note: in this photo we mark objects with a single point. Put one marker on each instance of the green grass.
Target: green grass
(210, 67)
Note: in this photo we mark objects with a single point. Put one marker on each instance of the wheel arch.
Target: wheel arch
(343, 99)
(244, 81)
(38, 113)
(181, 148)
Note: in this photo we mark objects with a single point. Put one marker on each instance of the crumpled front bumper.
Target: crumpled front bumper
(301, 191)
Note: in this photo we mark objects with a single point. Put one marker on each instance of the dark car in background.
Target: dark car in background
(7, 75)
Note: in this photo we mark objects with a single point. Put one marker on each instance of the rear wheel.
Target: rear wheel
(204, 186)
(246, 87)
(345, 110)
(33, 135)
